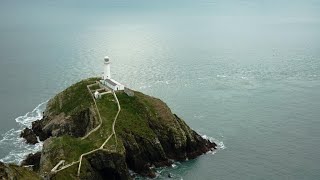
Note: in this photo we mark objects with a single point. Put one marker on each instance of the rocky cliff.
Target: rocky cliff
(148, 134)
(11, 171)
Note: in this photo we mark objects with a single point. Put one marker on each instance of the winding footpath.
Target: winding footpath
(95, 103)
(55, 169)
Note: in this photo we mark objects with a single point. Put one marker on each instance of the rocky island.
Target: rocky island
(89, 138)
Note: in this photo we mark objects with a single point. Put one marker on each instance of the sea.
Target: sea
(243, 73)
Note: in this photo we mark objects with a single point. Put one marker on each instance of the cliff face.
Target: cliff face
(170, 138)
(9, 171)
(147, 134)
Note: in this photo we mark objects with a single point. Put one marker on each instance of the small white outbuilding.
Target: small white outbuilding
(97, 95)
(114, 85)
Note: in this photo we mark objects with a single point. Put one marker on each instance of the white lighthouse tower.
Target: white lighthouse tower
(107, 81)
(106, 71)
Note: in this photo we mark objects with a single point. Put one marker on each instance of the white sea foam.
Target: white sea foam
(219, 143)
(198, 116)
(11, 140)
(204, 78)
(35, 114)
(145, 86)
(162, 82)
(221, 76)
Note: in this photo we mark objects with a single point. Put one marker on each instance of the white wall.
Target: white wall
(106, 71)
(118, 87)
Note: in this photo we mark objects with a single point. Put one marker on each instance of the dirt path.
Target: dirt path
(95, 103)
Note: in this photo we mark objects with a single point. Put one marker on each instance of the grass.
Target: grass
(72, 99)
(72, 148)
(24, 173)
(133, 116)
(67, 174)
(94, 87)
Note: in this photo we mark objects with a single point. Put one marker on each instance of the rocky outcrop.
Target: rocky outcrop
(102, 165)
(32, 160)
(142, 153)
(177, 142)
(109, 165)
(29, 136)
(37, 128)
(14, 172)
(75, 125)
(3, 174)
(149, 135)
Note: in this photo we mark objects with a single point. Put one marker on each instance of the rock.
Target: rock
(3, 174)
(75, 125)
(14, 172)
(141, 153)
(101, 165)
(37, 129)
(109, 165)
(32, 159)
(29, 136)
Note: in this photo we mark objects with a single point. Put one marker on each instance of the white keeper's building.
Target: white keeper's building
(107, 81)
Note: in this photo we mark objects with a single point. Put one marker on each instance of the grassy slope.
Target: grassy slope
(23, 173)
(133, 115)
(140, 108)
(73, 99)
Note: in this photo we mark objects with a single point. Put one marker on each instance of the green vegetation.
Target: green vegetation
(72, 99)
(22, 173)
(134, 116)
(94, 87)
(68, 173)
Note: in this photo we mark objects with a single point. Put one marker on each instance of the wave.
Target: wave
(12, 142)
(221, 76)
(219, 143)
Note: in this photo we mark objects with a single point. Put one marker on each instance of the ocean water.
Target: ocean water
(245, 73)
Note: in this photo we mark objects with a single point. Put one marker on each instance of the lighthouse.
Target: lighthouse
(106, 71)
(107, 81)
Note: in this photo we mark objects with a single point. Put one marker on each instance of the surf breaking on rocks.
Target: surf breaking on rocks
(12, 143)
